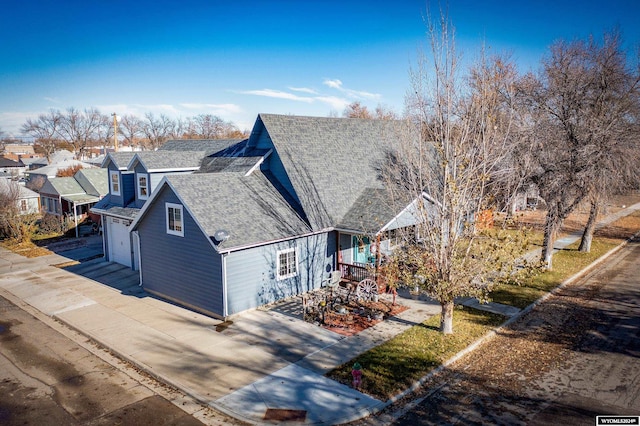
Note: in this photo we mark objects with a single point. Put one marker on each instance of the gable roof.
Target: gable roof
(210, 146)
(93, 181)
(119, 159)
(7, 162)
(62, 186)
(330, 162)
(167, 161)
(249, 208)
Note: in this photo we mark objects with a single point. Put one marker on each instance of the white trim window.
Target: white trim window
(114, 182)
(287, 263)
(175, 219)
(143, 186)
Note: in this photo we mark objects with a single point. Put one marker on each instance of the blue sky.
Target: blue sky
(236, 58)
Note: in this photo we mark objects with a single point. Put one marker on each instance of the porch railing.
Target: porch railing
(355, 271)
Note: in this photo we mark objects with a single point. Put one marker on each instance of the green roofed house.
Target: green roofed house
(273, 218)
(71, 198)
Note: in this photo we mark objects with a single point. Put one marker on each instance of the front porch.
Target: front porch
(358, 259)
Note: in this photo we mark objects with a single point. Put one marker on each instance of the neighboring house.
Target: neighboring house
(19, 149)
(51, 171)
(301, 198)
(11, 167)
(526, 199)
(133, 176)
(27, 201)
(72, 197)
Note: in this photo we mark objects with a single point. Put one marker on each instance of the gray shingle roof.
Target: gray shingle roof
(248, 207)
(211, 146)
(169, 160)
(106, 206)
(331, 161)
(93, 181)
(371, 211)
(120, 159)
(64, 186)
(228, 164)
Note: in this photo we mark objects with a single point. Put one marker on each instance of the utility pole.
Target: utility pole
(115, 132)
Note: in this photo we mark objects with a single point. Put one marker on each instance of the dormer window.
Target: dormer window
(143, 186)
(114, 181)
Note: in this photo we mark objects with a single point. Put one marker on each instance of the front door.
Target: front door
(361, 249)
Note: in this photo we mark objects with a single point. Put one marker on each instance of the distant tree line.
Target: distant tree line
(80, 130)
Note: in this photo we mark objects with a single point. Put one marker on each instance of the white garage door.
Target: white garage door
(119, 241)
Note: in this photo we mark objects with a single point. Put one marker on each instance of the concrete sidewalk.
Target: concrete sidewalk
(263, 362)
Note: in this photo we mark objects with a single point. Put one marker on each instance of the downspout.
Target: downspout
(377, 260)
(137, 236)
(104, 243)
(225, 304)
(75, 217)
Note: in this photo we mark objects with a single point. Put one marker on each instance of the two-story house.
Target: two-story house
(133, 176)
(303, 197)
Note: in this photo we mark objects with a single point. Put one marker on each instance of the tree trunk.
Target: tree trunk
(587, 236)
(550, 229)
(446, 318)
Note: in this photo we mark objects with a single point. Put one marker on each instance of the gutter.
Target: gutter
(264, 243)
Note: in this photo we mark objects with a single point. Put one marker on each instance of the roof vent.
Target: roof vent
(221, 236)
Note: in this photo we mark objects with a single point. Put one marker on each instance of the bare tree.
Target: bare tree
(9, 213)
(44, 130)
(577, 108)
(131, 129)
(81, 128)
(14, 225)
(613, 109)
(208, 126)
(357, 110)
(180, 128)
(446, 164)
(156, 129)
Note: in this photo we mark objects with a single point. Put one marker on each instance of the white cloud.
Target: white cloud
(355, 94)
(303, 90)
(334, 101)
(53, 100)
(270, 93)
(334, 84)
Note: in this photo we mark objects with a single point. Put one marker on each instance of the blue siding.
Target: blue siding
(252, 277)
(128, 188)
(187, 270)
